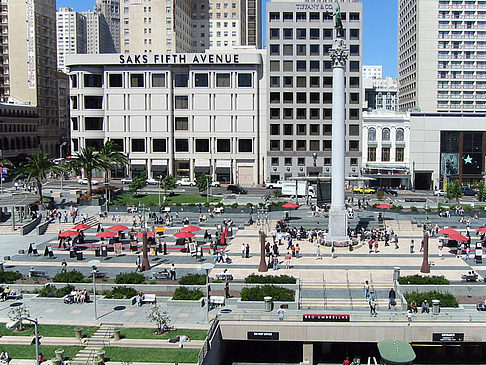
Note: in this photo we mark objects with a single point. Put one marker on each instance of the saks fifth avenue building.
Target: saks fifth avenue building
(177, 114)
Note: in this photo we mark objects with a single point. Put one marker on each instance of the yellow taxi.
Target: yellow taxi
(366, 190)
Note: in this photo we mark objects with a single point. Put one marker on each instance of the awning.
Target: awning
(138, 162)
(388, 176)
(202, 163)
(223, 163)
(159, 162)
(202, 169)
(223, 170)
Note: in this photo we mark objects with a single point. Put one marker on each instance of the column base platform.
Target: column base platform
(338, 228)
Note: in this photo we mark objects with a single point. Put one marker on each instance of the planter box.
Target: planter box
(186, 303)
(116, 302)
(38, 299)
(258, 306)
(472, 289)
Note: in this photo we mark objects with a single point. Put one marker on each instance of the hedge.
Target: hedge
(423, 280)
(120, 292)
(277, 293)
(10, 277)
(446, 299)
(72, 276)
(129, 278)
(183, 293)
(270, 279)
(53, 292)
(193, 279)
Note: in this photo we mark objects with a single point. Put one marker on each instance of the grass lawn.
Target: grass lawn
(28, 352)
(123, 354)
(47, 330)
(149, 333)
(153, 199)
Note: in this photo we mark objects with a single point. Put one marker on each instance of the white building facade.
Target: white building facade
(386, 148)
(372, 71)
(177, 114)
(71, 34)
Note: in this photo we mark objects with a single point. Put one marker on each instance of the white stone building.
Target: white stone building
(178, 114)
(386, 148)
(372, 71)
(71, 34)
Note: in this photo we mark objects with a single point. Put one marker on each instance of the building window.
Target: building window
(327, 145)
(314, 145)
(301, 33)
(274, 50)
(301, 161)
(385, 134)
(301, 145)
(354, 130)
(288, 129)
(75, 144)
(354, 145)
(301, 66)
(115, 80)
(301, 113)
(353, 161)
(354, 50)
(93, 102)
(274, 81)
(288, 161)
(93, 124)
(181, 102)
(91, 80)
(288, 50)
(223, 80)
(301, 50)
(245, 145)
(244, 80)
(354, 34)
(399, 155)
(274, 129)
(159, 145)
(181, 124)
(288, 66)
(314, 33)
(288, 81)
(136, 80)
(181, 145)
(301, 98)
(314, 129)
(202, 145)
(274, 66)
(301, 129)
(288, 33)
(74, 122)
(181, 79)
(354, 114)
(274, 145)
(274, 33)
(400, 135)
(385, 154)
(288, 145)
(371, 154)
(274, 113)
(223, 145)
(372, 134)
(138, 145)
(201, 80)
(274, 161)
(158, 80)
(74, 81)
(274, 97)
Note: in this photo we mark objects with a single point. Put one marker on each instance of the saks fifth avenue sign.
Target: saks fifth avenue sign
(179, 59)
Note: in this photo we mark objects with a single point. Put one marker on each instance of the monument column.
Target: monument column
(338, 218)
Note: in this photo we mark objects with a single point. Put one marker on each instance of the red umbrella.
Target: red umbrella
(190, 229)
(68, 233)
(458, 237)
(384, 206)
(106, 234)
(448, 230)
(118, 228)
(184, 235)
(481, 230)
(82, 226)
(149, 234)
(290, 205)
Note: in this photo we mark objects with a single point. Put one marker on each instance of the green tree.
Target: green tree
(203, 182)
(36, 167)
(481, 191)
(169, 183)
(138, 183)
(158, 316)
(112, 157)
(454, 190)
(88, 159)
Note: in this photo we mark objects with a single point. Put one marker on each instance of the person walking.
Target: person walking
(468, 251)
(275, 262)
(243, 249)
(138, 262)
(333, 249)
(409, 316)
(411, 246)
(376, 245)
(63, 266)
(297, 251)
(367, 289)
(372, 303)
(226, 290)
(422, 246)
(172, 271)
(281, 313)
(247, 251)
(318, 252)
(391, 298)
(287, 260)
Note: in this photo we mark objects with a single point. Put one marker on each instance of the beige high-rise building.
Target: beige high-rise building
(29, 62)
(442, 55)
(110, 22)
(71, 34)
(189, 25)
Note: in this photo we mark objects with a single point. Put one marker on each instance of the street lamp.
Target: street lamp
(314, 157)
(160, 185)
(11, 325)
(94, 264)
(60, 161)
(208, 267)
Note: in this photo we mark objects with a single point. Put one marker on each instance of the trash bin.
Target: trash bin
(97, 251)
(268, 304)
(79, 255)
(396, 273)
(435, 306)
(72, 253)
(134, 246)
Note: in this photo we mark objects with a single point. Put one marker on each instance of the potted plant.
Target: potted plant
(101, 354)
(79, 333)
(98, 361)
(116, 334)
(60, 354)
(56, 361)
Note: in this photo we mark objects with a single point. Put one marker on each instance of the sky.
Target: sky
(379, 31)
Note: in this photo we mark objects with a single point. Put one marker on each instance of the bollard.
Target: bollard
(396, 273)
(165, 248)
(268, 304)
(435, 306)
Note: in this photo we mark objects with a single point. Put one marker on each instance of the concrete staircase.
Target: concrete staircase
(54, 227)
(101, 338)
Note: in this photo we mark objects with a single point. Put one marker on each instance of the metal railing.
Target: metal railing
(206, 347)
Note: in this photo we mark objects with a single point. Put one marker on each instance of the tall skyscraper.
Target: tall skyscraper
(299, 71)
(442, 55)
(30, 64)
(110, 9)
(71, 34)
(98, 36)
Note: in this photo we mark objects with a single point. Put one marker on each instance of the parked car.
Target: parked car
(387, 191)
(274, 185)
(152, 181)
(236, 189)
(440, 192)
(184, 182)
(215, 184)
(126, 180)
(84, 181)
(468, 191)
(366, 190)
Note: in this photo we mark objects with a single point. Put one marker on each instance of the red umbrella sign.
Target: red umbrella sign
(384, 206)
(191, 229)
(184, 235)
(82, 226)
(481, 230)
(118, 228)
(290, 205)
(106, 234)
(68, 233)
(458, 237)
(448, 230)
(149, 234)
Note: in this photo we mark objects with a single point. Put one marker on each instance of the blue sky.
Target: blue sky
(380, 31)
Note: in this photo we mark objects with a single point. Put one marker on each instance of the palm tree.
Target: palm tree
(36, 167)
(112, 157)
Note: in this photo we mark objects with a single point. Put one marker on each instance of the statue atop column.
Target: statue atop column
(338, 21)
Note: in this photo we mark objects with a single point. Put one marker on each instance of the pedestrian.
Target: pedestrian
(367, 289)
(468, 251)
(138, 262)
(425, 306)
(346, 361)
(391, 298)
(318, 252)
(281, 313)
(275, 262)
(411, 246)
(333, 249)
(172, 271)
(63, 266)
(376, 246)
(409, 316)
(372, 303)
(287, 260)
(243, 249)
(247, 251)
(226, 290)
(289, 245)
(370, 245)
(422, 246)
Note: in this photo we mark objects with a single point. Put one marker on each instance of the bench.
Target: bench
(101, 275)
(37, 274)
(481, 306)
(224, 276)
(14, 294)
(161, 275)
(216, 301)
(469, 277)
(147, 298)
